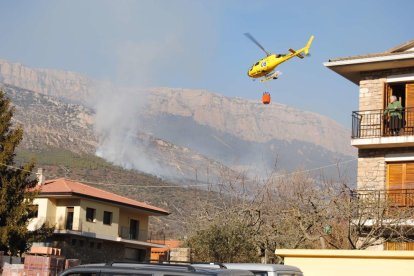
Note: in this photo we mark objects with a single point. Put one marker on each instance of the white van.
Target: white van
(259, 269)
(267, 269)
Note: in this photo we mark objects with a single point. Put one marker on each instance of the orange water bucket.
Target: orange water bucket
(266, 98)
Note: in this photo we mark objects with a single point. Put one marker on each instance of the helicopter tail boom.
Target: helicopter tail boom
(306, 51)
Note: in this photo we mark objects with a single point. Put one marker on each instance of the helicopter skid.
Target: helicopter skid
(271, 76)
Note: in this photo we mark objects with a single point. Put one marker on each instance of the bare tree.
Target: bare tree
(294, 211)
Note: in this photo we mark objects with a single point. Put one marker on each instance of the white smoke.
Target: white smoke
(162, 47)
(117, 125)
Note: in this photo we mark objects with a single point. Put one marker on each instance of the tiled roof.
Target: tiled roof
(398, 50)
(66, 186)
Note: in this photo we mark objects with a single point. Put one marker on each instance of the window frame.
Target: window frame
(89, 218)
(110, 218)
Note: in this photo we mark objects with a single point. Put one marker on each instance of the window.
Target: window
(73, 242)
(123, 274)
(259, 273)
(404, 91)
(91, 244)
(69, 218)
(107, 218)
(90, 214)
(34, 209)
(133, 229)
(400, 183)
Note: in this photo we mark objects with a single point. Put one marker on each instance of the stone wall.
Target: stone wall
(180, 254)
(91, 250)
(372, 166)
(371, 94)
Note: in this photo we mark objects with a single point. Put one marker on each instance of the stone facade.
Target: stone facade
(91, 250)
(371, 162)
(371, 87)
(180, 254)
(371, 94)
(372, 167)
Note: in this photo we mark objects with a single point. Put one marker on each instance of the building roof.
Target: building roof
(350, 67)
(62, 187)
(405, 47)
(168, 245)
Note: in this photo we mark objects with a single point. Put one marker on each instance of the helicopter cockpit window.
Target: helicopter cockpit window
(257, 63)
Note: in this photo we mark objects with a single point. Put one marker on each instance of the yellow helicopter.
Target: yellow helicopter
(266, 66)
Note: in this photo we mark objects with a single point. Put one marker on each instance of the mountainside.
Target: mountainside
(251, 120)
(172, 132)
(51, 123)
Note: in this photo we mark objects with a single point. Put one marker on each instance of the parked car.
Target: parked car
(260, 269)
(148, 269)
(268, 269)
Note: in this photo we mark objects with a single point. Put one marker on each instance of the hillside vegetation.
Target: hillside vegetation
(95, 171)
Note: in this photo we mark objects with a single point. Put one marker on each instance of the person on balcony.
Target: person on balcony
(394, 112)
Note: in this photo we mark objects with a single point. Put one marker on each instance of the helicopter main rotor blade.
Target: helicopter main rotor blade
(249, 36)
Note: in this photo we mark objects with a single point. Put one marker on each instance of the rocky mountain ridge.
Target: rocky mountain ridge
(234, 132)
(51, 123)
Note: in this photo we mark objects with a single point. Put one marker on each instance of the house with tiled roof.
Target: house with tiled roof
(92, 224)
(384, 138)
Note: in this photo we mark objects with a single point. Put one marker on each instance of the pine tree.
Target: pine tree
(16, 186)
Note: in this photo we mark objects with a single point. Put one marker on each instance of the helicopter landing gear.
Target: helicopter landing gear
(271, 76)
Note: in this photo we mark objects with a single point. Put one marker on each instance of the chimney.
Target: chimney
(40, 177)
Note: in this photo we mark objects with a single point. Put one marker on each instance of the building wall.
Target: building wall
(124, 219)
(371, 87)
(371, 93)
(372, 165)
(98, 226)
(349, 262)
(371, 162)
(61, 210)
(46, 212)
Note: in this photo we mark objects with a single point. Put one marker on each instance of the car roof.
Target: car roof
(148, 268)
(264, 267)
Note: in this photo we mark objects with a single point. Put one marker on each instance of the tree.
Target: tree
(295, 211)
(16, 187)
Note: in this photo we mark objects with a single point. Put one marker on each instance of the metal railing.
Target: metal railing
(385, 198)
(139, 235)
(373, 123)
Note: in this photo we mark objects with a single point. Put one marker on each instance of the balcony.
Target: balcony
(371, 129)
(383, 208)
(385, 198)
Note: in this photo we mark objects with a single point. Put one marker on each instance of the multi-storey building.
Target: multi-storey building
(92, 224)
(385, 157)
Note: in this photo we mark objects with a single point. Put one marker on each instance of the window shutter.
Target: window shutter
(395, 180)
(409, 176)
(409, 95)
(395, 176)
(400, 183)
(409, 105)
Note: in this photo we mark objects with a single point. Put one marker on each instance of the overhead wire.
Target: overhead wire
(188, 185)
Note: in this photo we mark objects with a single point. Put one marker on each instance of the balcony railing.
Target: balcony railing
(373, 123)
(385, 198)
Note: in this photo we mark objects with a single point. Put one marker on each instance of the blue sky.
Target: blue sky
(200, 44)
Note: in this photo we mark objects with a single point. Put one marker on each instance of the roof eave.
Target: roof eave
(152, 212)
(351, 68)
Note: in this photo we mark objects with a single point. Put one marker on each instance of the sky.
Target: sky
(200, 43)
